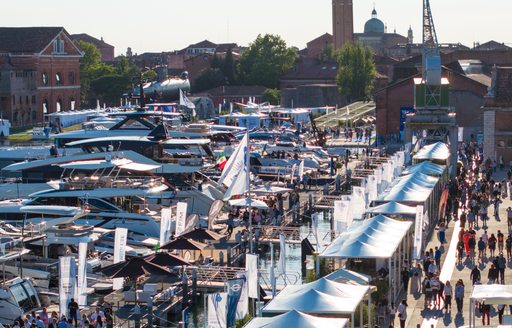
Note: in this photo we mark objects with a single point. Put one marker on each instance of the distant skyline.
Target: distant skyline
(166, 25)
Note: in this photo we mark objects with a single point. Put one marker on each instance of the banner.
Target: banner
(314, 227)
(408, 148)
(372, 188)
(301, 170)
(67, 278)
(165, 225)
(185, 317)
(418, 233)
(81, 286)
(217, 310)
(341, 213)
(359, 200)
(251, 266)
(236, 163)
(242, 309)
(235, 287)
(119, 253)
(281, 263)
(292, 174)
(181, 218)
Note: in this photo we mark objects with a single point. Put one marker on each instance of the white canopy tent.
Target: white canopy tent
(270, 190)
(427, 168)
(246, 202)
(349, 277)
(490, 294)
(438, 151)
(380, 238)
(297, 319)
(393, 208)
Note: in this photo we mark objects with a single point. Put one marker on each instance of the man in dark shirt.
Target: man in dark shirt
(73, 311)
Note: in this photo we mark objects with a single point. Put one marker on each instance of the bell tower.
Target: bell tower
(342, 22)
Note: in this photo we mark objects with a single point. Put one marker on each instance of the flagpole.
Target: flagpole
(248, 166)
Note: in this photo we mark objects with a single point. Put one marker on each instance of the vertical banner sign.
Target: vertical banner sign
(251, 266)
(292, 174)
(217, 310)
(181, 218)
(460, 134)
(67, 278)
(360, 196)
(235, 287)
(242, 309)
(372, 188)
(418, 233)
(81, 286)
(408, 147)
(281, 263)
(165, 225)
(301, 170)
(314, 227)
(341, 213)
(119, 253)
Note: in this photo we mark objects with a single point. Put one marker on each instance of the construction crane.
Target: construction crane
(431, 59)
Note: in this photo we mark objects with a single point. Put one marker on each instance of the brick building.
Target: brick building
(465, 99)
(106, 50)
(196, 65)
(497, 112)
(39, 73)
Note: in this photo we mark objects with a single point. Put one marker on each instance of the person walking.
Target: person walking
(481, 249)
(501, 241)
(448, 293)
(402, 313)
(459, 295)
(502, 264)
(475, 275)
(492, 244)
(405, 279)
(392, 314)
(508, 247)
(417, 275)
(493, 274)
(485, 310)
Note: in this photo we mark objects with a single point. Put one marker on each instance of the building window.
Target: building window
(45, 78)
(45, 106)
(58, 105)
(71, 78)
(15, 117)
(33, 100)
(34, 115)
(13, 100)
(58, 46)
(58, 79)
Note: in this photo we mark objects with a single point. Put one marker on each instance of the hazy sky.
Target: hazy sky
(162, 25)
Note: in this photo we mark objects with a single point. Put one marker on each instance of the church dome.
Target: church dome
(374, 25)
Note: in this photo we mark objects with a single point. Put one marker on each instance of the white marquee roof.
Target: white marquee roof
(392, 208)
(493, 294)
(297, 319)
(426, 167)
(436, 151)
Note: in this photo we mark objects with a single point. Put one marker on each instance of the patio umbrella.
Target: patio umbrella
(134, 267)
(165, 259)
(184, 243)
(202, 234)
(246, 202)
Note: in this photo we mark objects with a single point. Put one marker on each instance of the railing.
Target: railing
(212, 275)
(94, 182)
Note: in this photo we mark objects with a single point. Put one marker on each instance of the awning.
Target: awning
(427, 168)
(247, 202)
(377, 237)
(272, 190)
(492, 294)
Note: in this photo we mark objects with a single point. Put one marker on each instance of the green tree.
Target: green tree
(328, 53)
(266, 60)
(149, 75)
(356, 72)
(273, 96)
(229, 68)
(91, 57)
(109, 88)
(209, 79)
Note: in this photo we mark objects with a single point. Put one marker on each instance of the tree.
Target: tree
(356, 71)
(149, 75)
(209, 79)
(273, 96)
(91, 57)
(266, 60)
(229, 68)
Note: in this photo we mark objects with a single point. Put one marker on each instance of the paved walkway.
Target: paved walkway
(416, 314)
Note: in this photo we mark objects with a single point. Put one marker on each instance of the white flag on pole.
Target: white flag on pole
(121, 236)
(301, 170)
(217, 305)
(281, 263)
(418, 233)
(181, 218)
(81, 288)
(251, 266)
(341, 215)
(292, 174)
(235, 163)
(67, 279)
(165, 225)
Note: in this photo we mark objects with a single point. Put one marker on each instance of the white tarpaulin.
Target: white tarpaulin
(296, 319)
(121, 236)
(248, 202)
(437, 151)
(427, 168)
(377, 237)
(372, 188)
(341, 213)
(251, 266)
(217, 304)
(418, 234)
(67, 278)
(492, 294)
(81, 284)
(165, 225)
(181, 218)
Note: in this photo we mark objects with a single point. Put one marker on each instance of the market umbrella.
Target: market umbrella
(134, 267)
(202, 234)
(165, 259)
(184, 244)
(247, 202)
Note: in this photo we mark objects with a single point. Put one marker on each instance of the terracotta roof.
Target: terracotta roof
(203, 44)
(27, 40)
(87, 38)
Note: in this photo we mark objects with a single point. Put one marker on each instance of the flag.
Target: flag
(251, 266)
(292, 174)
(236, 162)
(67, 276)
(418, 233)
(181, 218)
(281, 264)
(222, 160)
(165, 226)
(81, 286)
(301, 170)
(242, 309)
(235, 287)
(184, 101)
(217, 310)
(121, 235)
